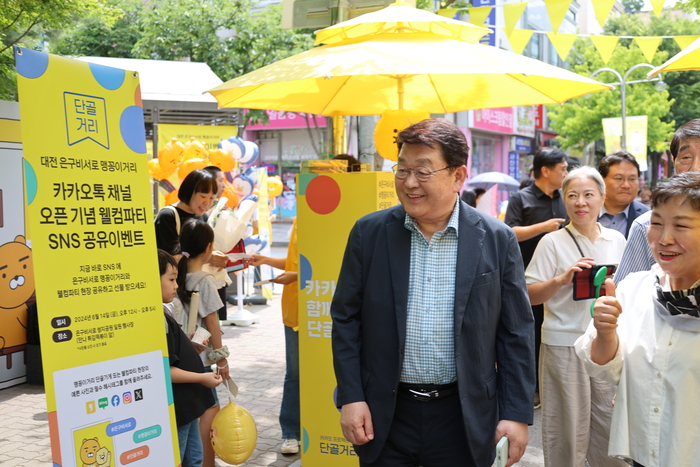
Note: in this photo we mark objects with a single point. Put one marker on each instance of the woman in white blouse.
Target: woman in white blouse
(645, 337)
(576, 409)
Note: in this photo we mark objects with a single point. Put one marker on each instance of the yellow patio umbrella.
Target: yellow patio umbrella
(417, 71)
(686, 59)
(399, 17)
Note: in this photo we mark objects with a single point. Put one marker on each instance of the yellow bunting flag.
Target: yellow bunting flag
(519, 38)
(602, 9)
(685, 41)
(562, 42)
(556, 9)
(478, 14)
(658, 5)
(448, 12)
(511, 14)
(648, 45)
(605, 46)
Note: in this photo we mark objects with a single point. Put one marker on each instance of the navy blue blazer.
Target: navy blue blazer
(493, 325)
(636, 210)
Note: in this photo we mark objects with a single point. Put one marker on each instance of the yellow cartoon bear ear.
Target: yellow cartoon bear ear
(21, 239)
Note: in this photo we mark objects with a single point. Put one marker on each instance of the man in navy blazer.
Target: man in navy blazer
(620, 171)
(433, 335)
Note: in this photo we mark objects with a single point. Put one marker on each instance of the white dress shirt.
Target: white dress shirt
(657, 370)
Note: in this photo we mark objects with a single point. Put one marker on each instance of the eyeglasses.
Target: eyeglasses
(620, 180)
(422, 174)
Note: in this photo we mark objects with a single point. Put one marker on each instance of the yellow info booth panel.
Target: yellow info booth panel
(328, 206)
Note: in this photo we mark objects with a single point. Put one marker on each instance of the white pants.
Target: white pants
(576, 411)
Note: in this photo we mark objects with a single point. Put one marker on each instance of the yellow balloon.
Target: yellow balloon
(171, 154)
(189, 165)
(221, 159)
(172, 197)
(194, 150)
(390, 125)
(233, 434)
(274, 187)
(156, 171)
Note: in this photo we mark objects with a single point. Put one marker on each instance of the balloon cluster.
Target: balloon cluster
(230, 154)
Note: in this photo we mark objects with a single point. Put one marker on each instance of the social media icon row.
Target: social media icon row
(115, 400)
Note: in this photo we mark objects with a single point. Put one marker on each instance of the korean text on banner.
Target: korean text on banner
(98, 291)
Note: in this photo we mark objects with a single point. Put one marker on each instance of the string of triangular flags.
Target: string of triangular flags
(557, 9)
(604, 44)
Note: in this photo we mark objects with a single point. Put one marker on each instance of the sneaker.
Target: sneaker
(290, 446)
(538, 404)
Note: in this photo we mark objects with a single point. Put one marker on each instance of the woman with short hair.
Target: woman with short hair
(645, 337)
(576, 409)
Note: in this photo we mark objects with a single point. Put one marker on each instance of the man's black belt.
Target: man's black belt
(428, 392)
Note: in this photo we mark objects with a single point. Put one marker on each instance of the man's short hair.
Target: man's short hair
(438, 133)
(212, 169)
(687, 130)
(581, 172)
(686, 185)
(197, 181)
(614, 159)
(546, 157)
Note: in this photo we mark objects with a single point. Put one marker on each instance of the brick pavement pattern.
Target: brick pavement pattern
(257, 366)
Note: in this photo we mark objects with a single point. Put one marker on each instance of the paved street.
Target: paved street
(257, 361)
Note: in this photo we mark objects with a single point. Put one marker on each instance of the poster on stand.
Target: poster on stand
(102, 332)
(329, 205)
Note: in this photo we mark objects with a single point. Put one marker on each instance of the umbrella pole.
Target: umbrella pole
(400, 92)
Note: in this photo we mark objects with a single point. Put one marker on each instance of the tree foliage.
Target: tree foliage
(227, 35)
(579, 120)
(25, 23)
(230, 36)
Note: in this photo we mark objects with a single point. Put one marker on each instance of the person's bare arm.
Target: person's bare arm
(212, 324)
(259, 260)
(526, 232)
(540, 292)
(178, 375)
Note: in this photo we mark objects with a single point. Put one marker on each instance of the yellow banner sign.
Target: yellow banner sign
(98, 293)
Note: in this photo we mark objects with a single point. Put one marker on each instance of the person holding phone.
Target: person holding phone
(576, 409)
(644, 337)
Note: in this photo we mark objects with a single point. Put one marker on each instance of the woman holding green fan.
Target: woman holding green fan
(576, 409)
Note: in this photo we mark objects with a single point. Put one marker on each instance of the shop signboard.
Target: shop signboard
(521, 144)
(524, 120)
(636, 137)
(280, 120)
(328, 206)
(514, 165)
(104, 353)
(539, 117)
(498, 120)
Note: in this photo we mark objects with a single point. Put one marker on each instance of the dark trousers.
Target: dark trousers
(222, 310)
(426, 434)
(538, 313)
(637, 464)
